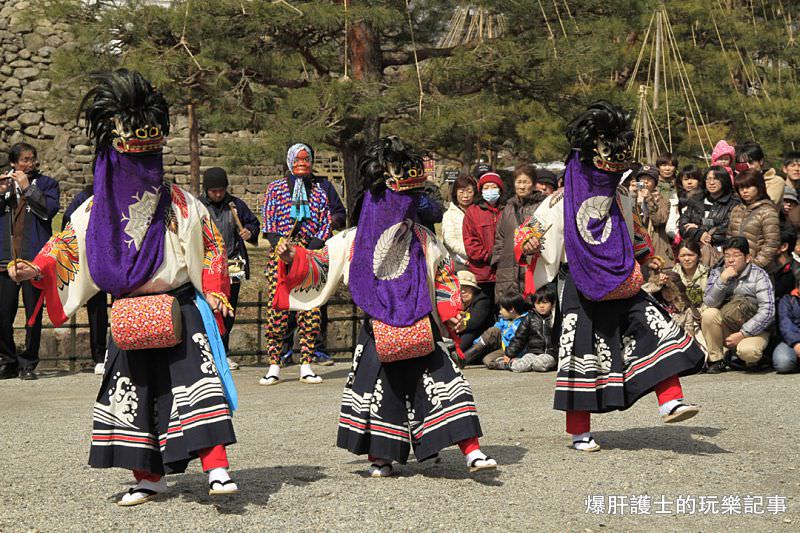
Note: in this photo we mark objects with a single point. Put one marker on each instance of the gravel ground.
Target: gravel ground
(293, 477)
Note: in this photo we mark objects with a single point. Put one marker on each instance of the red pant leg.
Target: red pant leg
(469, 445)
(212, 458)
(578, 422)
(668, 390)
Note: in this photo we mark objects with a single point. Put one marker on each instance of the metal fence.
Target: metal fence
(352, 314)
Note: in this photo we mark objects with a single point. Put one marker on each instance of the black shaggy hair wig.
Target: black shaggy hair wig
(124, 94)
(601, 121)
(373, 168)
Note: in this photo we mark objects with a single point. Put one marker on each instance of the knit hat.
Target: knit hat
(215, 178)
(723, 148)
(545, 176)
(789, 193)
(491, 177)
(467, 279)
(648, 171)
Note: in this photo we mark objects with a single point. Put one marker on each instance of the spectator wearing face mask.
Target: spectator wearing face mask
(480, 226)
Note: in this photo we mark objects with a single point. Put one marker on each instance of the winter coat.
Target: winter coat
(789, 318)
(711, 215)
(534, 335)
(509, 274)
(37, 206)
(655, 222)
(453, 233)
(480, 225)
(759, 224)
(775, 186)
(478, 314)
(754, 284)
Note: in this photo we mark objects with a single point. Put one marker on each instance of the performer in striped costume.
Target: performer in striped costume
(617, 343)
(161, 407)
(403, 391)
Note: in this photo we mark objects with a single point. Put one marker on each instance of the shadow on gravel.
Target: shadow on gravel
(678, 439)
(256, 486)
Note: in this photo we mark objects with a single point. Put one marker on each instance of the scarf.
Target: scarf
(299, 210)
(125, 235)
(388, 272)
(599, 249)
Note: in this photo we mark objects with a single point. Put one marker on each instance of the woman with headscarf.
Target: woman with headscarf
(295, 208)
(403, 390)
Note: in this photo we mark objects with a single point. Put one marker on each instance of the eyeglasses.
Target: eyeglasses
(733, 255)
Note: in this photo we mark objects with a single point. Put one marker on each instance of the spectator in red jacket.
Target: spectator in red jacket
(480, 223)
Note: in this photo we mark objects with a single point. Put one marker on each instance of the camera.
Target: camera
(641, 185)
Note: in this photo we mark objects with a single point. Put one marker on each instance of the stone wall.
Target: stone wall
(26, 51)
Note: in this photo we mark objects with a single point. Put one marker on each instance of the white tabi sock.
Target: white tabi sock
(274, 371)
(305, 370)
(474, 454)
(665, 408)
(218, 474)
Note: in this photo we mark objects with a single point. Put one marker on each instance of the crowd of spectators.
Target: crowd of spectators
(724, 259)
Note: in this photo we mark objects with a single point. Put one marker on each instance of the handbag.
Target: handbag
(398, 343)
(146, 322)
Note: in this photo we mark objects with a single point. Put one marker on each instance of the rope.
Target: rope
(549, 29)
(346, 40)
(416, 59)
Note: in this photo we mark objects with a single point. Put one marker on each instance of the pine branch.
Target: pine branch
(393, 58)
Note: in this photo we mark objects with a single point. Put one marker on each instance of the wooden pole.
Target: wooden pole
(657, 77)
(194, 150)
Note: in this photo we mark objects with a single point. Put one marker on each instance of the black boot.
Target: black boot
(473, 354)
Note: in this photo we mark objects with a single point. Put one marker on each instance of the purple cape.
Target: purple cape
(125, 235)
(404, 299)
(598, 246)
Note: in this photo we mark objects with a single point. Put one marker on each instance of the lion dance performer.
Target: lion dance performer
(166, 396)
(617, 344)
(403, 391)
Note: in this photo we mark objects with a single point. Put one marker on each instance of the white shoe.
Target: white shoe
(99, 369)
(143, 492)
(233, 365)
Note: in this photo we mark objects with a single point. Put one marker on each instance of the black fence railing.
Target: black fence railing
(339, 310)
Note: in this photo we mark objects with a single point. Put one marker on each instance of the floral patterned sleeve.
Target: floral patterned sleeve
(531, 228)
(215, 261)
(65, 287)
(448, 291)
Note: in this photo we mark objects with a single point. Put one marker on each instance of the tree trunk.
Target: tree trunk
(364, 53)
(194, 151)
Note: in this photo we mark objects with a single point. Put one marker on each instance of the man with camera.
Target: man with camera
(741, 308)
(28, 202)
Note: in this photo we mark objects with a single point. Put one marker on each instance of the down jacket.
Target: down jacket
(760, 225)
(534, 335)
